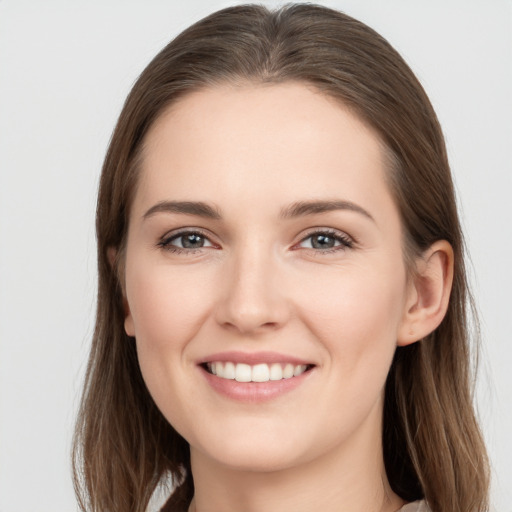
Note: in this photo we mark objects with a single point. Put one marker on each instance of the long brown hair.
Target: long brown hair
(432, 444)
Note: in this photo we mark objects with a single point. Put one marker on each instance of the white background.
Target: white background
(65, 69)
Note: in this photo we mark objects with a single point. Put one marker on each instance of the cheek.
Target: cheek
(357, 317)
(166, 307)
(356, 323)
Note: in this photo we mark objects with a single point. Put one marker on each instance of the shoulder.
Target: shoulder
(415, 506)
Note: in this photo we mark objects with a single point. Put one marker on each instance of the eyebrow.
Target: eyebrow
(188, 207)
(302, 208)
(294, 210)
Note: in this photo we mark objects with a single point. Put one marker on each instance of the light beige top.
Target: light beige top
(415, 506)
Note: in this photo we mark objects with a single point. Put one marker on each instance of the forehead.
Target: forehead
(254, 141)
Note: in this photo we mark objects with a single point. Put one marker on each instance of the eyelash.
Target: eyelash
(165, 243)
(345, 241)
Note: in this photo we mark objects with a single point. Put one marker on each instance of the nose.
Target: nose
(253, 298)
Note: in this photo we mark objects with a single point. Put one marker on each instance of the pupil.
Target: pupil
(322, 241)
(192, 241)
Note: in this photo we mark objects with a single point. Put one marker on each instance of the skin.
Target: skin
(259, 283)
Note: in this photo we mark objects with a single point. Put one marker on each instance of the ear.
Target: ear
(128, 319)
(428, 294)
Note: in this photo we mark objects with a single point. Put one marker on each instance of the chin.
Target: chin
(254, 459)
(256, 449)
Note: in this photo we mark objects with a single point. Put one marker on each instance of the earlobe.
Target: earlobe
(128, 319)
(429, 293)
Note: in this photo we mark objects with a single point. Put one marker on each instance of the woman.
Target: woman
(282, 297)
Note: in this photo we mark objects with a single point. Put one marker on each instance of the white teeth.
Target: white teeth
(258, 373)
(276, 372)
(288, 371)
(301, 368)
(229, 371)
(243, 373)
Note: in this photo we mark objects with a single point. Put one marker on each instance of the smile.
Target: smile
(255, 377)
(261, 372)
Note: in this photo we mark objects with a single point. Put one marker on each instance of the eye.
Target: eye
(185, 241)
(327, 241)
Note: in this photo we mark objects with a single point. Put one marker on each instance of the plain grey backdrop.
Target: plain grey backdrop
(65, 70)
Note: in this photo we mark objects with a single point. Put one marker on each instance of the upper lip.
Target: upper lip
(253, 358)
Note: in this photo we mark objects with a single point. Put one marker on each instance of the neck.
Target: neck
(350, 477)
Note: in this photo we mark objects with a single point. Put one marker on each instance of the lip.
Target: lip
(253, 358)
(254, 392)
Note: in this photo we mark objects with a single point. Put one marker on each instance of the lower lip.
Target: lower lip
(254, 392)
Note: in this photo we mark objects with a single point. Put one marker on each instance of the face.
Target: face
(263, 243)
